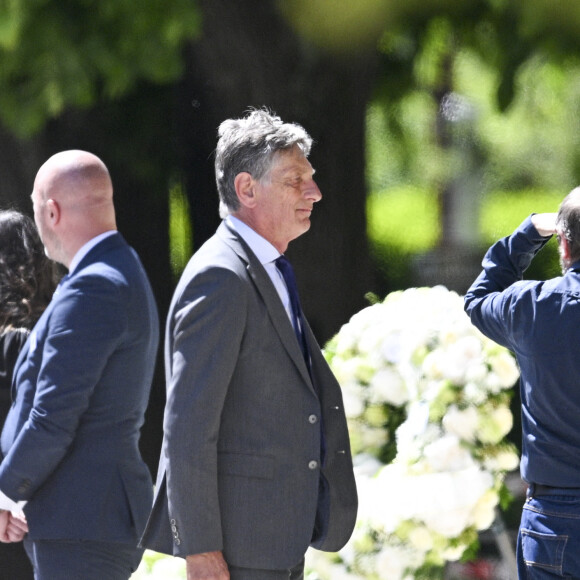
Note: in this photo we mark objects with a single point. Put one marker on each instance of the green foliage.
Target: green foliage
(180, 231)
(56, 54)
(405, 217)
(404, 222)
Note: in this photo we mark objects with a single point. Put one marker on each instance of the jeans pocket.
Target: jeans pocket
(543, 550)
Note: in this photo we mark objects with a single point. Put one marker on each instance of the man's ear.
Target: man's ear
(53, 211)
(244, 185)
(564, 248)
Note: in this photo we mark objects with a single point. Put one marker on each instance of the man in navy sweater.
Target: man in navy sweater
(540, 322)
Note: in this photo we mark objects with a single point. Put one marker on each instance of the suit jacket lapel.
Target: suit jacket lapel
(266, 289)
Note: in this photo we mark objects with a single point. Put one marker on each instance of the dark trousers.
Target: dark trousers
(294, 573)
(76, 559)
(14, 563)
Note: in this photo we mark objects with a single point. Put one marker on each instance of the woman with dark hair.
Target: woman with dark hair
(27, 282)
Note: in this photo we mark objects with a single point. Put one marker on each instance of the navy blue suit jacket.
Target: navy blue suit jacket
(81, 386)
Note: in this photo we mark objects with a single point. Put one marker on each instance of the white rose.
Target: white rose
(421, 539)
(506, 369)
(352, 398)
(504, 460)
(387, 386)
(483, 513)
(462, 423)
(392, 561)
(495, 425)
(453, 553)
(447, 454)
(474, 393)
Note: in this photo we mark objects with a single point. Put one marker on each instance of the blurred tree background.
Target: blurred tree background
(438, 126)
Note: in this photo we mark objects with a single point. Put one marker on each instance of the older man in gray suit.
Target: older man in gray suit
(255, 465)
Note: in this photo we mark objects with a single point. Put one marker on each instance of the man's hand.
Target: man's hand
(207, 566)
(545, 223)
(13, 528)
(4, 519)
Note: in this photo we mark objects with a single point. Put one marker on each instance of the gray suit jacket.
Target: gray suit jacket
(240, 467)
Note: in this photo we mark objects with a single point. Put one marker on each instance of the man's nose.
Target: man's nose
(311, 191)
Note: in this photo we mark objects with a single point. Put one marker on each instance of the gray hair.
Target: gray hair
(250, 145)
(568, 222)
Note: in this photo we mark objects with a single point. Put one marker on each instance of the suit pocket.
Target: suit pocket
(246, 465)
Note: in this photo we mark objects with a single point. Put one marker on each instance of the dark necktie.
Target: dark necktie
(287, 272)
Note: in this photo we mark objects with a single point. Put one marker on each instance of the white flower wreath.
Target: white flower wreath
(427, 400)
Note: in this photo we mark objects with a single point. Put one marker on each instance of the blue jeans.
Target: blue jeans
(549, 536)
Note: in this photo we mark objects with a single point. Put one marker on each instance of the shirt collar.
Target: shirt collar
(264, 250)
(86, 248)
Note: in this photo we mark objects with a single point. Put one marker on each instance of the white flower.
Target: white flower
(504, 460)
(483, 513)
(462, 423)
(387, 386)
(416, 358)
(447, 454)
(393, 561)
(421, 539)
(353, 400)
(505, 367)
(475, 393)
(494, 425)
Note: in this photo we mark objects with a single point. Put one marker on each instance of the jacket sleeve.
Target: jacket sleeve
(205, 332)
(489, 300)
(70, 353)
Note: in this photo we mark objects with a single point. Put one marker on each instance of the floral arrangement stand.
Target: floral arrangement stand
(427, 399)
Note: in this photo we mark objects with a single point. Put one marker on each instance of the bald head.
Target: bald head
(75, 179)
(73, 202)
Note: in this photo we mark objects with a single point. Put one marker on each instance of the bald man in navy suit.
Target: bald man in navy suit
(70, 456)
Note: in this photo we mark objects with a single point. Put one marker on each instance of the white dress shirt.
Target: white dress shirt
(267, 254)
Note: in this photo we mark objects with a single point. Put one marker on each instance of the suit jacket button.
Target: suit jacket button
(24, 486)
(312, 419)
(312, 464)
